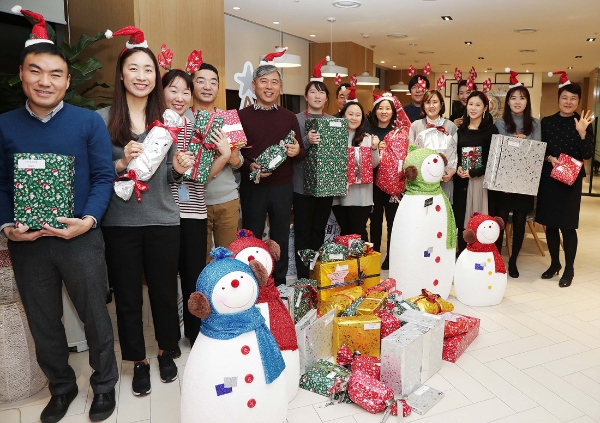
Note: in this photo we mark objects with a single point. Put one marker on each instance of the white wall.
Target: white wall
(51, 10)
(245, 41)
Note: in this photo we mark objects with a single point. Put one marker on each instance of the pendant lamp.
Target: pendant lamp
(365, 78)
(400, 87)
(331, 69)
(288, 60)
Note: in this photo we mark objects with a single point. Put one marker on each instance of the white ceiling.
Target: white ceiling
(563, 27)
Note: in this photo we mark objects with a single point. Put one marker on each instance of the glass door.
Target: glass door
(591, 183)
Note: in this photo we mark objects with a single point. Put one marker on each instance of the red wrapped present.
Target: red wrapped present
(390, 177)
(389, 322)
(233, 128)
(345, 239)
(456, 345)
(567, 169)
(367, 364)
(456, 324)
(388, 285)
(369, 393)
(344, 356)
(406, 409)
(360, 165)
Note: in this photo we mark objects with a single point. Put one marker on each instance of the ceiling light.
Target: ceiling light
(481, 57)
(330, 70)
(288, 60)
(570, 67)
(394, 66)
(578, 57)
(468, 43)
(399, 87)
(275, 23)
(447, 18)
(365, 78)
(526, 30)
(346, 4)
(383, 61)
(413, 44)
(591, 39)
(312, 35)
(489, 69)
(527, 51)
(485, 71)
(236, 8)
(446, 71)
(397, 35)
(425, 52)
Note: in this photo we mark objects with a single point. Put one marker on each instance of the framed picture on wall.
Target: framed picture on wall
(496, 98)
(524, 78)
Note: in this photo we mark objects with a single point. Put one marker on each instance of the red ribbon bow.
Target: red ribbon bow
(170, 129)
(439, 128)
(473, 156)
(431, 297)
(311, 294)
(139, 186)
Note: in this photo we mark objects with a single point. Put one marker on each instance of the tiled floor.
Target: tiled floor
(537, 358)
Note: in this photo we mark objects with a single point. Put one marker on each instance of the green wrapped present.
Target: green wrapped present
(272, 157)
(333, 252)
(396, 305)
(309, 258)
(351, 310)
(44, 189)
(303, 298)
(327, 379)
(471, 157)
(202, 146)
(326, 163)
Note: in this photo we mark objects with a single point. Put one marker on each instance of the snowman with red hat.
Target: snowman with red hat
(247, 248)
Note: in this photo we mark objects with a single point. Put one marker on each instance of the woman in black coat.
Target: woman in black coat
(558, 203)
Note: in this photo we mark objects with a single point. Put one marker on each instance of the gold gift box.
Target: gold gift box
(340, 301)
(372, 303)
(359, 333)
(431, 303)
(370, 265)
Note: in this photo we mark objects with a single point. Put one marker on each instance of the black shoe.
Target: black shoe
(386, 263)
(552, 270)
(103, 406)
(168, 368)
(513, 272)
(141, 379)
(566, 279)
(57, 406)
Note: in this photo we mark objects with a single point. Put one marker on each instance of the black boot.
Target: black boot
(567, 278)
(513, 272)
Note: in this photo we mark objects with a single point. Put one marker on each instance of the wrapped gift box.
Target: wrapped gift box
(387, 285)
(326, 163)
(302, 298)
(201, 145)
(335, 276)
(457, 324)
(351, 310)
(369, 393)
(401, 359)
(514, 165)
(471, 157)
(331, 251)
(454, 346)
(390, 177)
(360, 165)
(43, 189)
(389, 322)
(567, 169)
(314, 336)
(345, 239)
(322, 378)
(359, 333)
(340, 301)
(233, 128)
(431, 303)
(375, 301)
(432, 327)
(369, 365)
(272, 157)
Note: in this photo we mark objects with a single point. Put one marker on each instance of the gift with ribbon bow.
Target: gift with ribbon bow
(201, 145)
(471, 158)
(387, 285)
(390, 177)
(327, 379)
(272, 157)
(308, 257)
(431, 303)
(458, 335)
(339, 300)
(411, 70)
(373, 302)
(457, 324)
(303, 298)
(457, 74)
(233, 128)
(396, 305)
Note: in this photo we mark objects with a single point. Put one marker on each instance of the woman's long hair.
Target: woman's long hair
(485, 121)
(509, 122)
(359, 134)
(372, 116)
(119, 121)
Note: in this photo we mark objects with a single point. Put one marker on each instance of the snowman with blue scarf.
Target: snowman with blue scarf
(234, 371)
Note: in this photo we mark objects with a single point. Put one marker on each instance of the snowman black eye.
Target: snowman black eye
(223, 288)
(241, 276)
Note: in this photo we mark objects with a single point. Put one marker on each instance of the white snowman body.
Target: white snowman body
(419, 257)
(291, 358)
(476, 282)
(224, 380)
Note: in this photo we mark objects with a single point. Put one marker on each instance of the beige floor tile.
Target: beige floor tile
(11, 415)
(522, 298)
(492, 338)
(546, 303)
(576, 329)
(507, 322)
(464, 382)
(593, 373)
(584, 419)
(584, 383)
(482, 412)
(546, 354)
(336, 411)
(574, 363)
(453, 399)
(370, 418)
(304, 398)
(306, 414)
(40, 397)
(510, 348)
(164, 400)
(131, 408)
(535, 325)
(439, 382)
(535, 415)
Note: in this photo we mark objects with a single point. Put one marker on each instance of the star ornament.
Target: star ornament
(245, 80)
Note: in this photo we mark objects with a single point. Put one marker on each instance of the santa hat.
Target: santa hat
(245, 239)
(514, 82)
(38, 32)
(563, 78)
(351, 98)
(136, 36)
(385, 96)
(317, 76)
(268, 59)
(457, 74)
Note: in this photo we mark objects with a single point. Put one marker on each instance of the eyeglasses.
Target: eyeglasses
(210, 82)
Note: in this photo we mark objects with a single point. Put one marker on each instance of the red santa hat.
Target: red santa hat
(268, 59)
(514, 82)
(317, 76)
(385, 96)
(563, 78)
(38, 32)
(246, 239)
(136, 36)
(351, 98)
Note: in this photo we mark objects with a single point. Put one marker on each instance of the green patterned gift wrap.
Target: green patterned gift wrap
(303, 299)
(202, 146)
(326, 163)
(322, 378)
(272, 157)
(43, 189)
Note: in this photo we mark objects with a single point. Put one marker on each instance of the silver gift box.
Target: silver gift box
(432, 327)
(514, 165)
(315, 338)
(401, 359)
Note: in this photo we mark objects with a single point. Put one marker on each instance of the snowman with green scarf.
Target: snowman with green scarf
(423, 244)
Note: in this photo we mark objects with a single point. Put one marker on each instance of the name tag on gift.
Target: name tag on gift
(31, 164)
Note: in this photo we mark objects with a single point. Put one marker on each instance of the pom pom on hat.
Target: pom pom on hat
(220, 253)
(514, 82)
(564, 80)
(108, 34)
(38, 32)
(16, 9)
(136, 36)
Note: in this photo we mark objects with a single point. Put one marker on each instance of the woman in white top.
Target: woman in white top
(437, 133)
(352, 210)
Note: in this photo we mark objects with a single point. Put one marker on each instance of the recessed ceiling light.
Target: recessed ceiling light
(489, 69)
(446, 71)
(394, 66)
(346, 4)
(485, 71)
(481, 58)
(570, 67)
(447, 18)
(527, 51)
(527, 71)
(365, 35)
(413, 44)
(468, 43)
(591, 39)
(526, 30)
(275, 23)
(312, 35)
(397, 35)
(425, 52)
(236, 8)
(578, 57)
(383, 61)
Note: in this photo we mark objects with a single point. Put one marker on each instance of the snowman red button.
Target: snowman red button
(245, 350)
(249, 378)
(251, 403)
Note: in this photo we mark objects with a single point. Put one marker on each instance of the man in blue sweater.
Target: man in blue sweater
(44, 259)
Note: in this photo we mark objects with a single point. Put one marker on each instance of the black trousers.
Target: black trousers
(310, 218)
(192, 260)
(257, 203)
(381, 204)
(153, 252)
(519, 220)
(40, 268)
(352, 220)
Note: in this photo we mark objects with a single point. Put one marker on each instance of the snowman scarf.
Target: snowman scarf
(228, 326)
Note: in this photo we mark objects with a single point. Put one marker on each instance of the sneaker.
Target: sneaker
(168, 369)
(103, 406)
(141, 379)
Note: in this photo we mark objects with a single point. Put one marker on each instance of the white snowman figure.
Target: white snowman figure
(234, 371)
(423, 243)
(247, 248)
(480, 273)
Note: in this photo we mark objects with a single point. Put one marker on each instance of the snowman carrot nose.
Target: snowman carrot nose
(250, 258)
(235, 283)
(435, 160)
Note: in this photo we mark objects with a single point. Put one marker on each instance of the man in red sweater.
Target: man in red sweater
(266, 124)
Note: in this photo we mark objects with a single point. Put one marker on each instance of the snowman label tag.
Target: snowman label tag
(31, 164)
(428, 202)
(275, 161)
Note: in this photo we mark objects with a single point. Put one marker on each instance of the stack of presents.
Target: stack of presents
(360, 341)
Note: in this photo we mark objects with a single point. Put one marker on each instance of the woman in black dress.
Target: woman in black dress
(558, 203)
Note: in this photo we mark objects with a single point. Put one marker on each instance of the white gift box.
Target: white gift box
(401, 359)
